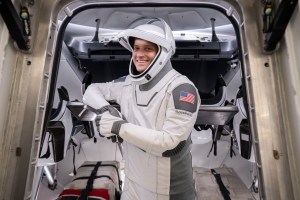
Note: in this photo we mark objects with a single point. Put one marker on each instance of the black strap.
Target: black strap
(215, 144)
(89, 186)
(231, 138)
(216, 134)
(223, 189)
(231, 148)
(47, 154)
(231, 145)
(74, 156)
(106, 165)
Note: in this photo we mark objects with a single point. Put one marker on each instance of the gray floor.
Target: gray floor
(205, 183)
(207, 187)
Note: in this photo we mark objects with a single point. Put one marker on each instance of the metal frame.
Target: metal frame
(264, 95)
(13, 23)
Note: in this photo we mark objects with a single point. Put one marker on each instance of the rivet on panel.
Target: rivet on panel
(276, 154)
(18, 151)
(267, 64)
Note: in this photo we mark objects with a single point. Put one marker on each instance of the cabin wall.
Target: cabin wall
(7, 67)
(22, 102)
(267, 99)
(8, 70)
(288, 58)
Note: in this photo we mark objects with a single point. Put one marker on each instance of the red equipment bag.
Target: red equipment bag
(95, 194)
(94, 180)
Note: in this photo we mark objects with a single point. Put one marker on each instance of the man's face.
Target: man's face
(143, 54)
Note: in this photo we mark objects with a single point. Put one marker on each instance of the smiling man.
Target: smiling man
(160, 107)
(143, 54)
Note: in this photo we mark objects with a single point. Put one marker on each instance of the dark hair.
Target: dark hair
(131, 41)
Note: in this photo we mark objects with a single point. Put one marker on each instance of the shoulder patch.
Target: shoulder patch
(185, 97)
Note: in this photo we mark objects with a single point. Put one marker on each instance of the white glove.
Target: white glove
(109, 121)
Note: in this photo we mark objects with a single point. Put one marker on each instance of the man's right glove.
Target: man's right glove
(109, 121)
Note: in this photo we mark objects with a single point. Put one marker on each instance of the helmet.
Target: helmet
(164, 39)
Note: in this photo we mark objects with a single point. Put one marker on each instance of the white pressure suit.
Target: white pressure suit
(160, 106)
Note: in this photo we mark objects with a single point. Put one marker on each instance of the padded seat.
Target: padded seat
(219, 97)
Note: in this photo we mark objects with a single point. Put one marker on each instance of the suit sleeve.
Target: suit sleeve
(98, 94)
(180, 118)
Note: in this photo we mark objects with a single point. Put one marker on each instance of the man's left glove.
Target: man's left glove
(109, 121)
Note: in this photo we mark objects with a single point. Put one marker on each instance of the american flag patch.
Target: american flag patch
(187, 97)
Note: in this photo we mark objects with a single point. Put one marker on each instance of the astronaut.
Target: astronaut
(160, 107)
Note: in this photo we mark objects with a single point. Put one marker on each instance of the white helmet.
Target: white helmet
(164, 39)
